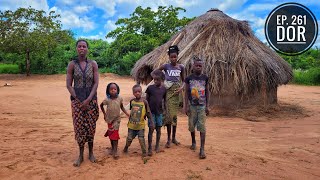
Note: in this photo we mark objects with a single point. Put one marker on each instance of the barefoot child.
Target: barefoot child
(112, 115)
(139, 110)
(196, 107)
(156, 95)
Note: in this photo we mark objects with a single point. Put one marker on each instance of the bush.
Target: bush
(9, 69)
(127, 62)
(106, 70)
(307, 77)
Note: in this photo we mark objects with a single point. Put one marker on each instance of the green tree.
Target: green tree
(27, 31)
(144, 30)
(307, 60)
(98, 51)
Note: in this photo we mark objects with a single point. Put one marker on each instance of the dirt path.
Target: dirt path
(37, 139)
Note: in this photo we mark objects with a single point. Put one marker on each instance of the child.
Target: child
(196, 93)
(139, 110)
(174, 75)
(112, 115)
(156, 95)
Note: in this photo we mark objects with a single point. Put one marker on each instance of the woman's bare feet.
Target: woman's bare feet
(174, 141)
(167, 144)
(78, 161)
(193, 146)
(157, 149)
(92, 158)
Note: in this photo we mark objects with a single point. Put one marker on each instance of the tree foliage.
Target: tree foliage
(31, 34)
(307, 60)
(29, 31)
(144, 30)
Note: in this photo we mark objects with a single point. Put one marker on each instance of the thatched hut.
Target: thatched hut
(241, 69)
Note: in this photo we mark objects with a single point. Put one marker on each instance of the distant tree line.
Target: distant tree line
(34, 41)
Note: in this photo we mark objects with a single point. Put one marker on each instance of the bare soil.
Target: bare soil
(37, 138)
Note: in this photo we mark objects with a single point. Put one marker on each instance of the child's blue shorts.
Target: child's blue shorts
(157, 120)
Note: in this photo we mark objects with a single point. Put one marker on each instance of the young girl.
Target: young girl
(112, 115)
(174, 75)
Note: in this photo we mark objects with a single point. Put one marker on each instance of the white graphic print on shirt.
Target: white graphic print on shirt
(174, 73)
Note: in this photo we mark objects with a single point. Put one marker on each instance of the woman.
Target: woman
(174, 75)
(83, 74)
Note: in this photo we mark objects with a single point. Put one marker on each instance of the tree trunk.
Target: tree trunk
(28, 62)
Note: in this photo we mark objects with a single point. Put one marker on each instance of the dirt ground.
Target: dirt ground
(37, 138)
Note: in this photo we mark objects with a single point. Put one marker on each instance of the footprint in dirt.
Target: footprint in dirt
(102, 161)
(8, 113)
(12, 166)
(31, 131)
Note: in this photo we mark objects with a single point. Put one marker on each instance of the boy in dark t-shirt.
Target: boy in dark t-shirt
(196, 107)
(156, 97)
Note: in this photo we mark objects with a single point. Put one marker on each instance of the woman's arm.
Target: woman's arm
(69, 80)
(178, 90)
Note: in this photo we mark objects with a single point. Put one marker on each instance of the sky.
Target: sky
(93, 19)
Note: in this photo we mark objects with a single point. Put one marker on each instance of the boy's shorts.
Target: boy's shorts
(197, 118)
(133, 133)
(157, 120)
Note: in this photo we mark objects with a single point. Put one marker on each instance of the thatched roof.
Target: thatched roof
(234, 58)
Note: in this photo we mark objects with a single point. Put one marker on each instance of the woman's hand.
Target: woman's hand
(77, 99)
(177, 91)
(84, 105)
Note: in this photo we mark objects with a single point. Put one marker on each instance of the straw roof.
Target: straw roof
(234, 59)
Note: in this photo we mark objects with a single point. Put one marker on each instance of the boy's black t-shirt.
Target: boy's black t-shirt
(197, 89)
(155, 98)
